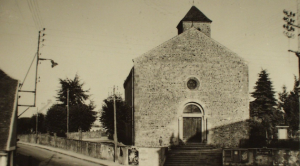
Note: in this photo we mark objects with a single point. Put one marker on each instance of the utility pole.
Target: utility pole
(289, 23)
(68, 113)
(115, 125)
(37, 64)
(289, 26)
(36, 72)
(36, 125)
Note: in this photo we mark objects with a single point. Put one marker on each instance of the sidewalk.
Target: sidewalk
(73, 154)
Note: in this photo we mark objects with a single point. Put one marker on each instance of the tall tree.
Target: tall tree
(290, 105)
(76, 93)
(41, 123)
(264, 95)
(263, 107)
(81, 115)
(123, 116)
(56, 119)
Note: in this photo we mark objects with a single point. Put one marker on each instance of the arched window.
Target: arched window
(192, 109)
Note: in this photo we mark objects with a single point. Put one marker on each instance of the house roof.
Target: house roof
(194, 14)
(8, 107)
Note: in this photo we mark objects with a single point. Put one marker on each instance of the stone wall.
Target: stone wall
(203, 27)
(260, 156)
(86, 135)
(160, 89)
(233, 133)
(126, 155)
(97, 150)
(152, 156)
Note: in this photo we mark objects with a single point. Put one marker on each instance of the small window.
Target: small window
(192, 84)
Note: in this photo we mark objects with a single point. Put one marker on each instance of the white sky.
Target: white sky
(97, 39)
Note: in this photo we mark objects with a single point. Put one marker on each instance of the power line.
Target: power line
(97, 35)
(33, 16)
(109, 45)
(38, 12)
(22, 16)
(123, 53)
(34, 13)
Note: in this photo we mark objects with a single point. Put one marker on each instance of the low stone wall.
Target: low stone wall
(260, 156)
(92, 149)
(127, 155)
(86, 135)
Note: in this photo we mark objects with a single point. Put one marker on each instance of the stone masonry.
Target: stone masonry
(160, 86)
(160, 91)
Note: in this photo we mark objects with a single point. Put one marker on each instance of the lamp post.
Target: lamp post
(37, 56)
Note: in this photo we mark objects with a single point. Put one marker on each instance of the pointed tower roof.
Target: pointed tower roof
(194, 14)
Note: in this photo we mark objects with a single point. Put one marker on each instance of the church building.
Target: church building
(188, 89)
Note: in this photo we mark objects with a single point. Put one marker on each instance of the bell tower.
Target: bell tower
(195, 18)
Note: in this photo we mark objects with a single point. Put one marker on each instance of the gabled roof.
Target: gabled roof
(194, 14)
(202, 47)
(8, 108)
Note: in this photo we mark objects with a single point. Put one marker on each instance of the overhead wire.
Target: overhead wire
(22, 16)
(93, 34)
(84, 43)
(33, 16)
(39, 13)
(102, 51)
(36, 17)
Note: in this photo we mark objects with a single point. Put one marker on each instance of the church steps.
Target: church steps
(194, 154)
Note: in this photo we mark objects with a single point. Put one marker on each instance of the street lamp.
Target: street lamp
(37, 55)
(52, 62)
(36, 72)
(36, 80)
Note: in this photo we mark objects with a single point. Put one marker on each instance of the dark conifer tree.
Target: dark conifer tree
(81, 115)
(264, 95)
(263, 110)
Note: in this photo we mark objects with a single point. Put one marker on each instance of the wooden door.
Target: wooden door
(192, 129)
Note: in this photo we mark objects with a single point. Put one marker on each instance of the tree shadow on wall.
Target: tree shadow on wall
(230, 135)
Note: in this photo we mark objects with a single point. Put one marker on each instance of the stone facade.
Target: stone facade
(190, 69)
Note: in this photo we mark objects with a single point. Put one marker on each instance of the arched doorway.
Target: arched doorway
(192, 123)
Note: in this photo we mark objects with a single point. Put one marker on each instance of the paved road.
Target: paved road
(33, 156)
